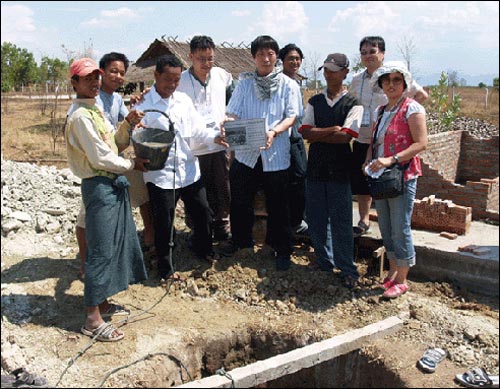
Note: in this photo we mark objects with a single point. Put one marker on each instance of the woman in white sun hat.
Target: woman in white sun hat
(398, 135)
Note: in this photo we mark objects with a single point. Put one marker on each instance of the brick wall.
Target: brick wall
(438, 215)
(463, 169)
(478, 158)
(443, 154)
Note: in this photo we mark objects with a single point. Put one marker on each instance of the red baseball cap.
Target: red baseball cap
(83, 67)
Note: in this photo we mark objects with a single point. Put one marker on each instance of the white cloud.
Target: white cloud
(19, 28)
(240, 12)
(282, 19)
(429, 21)
(112, 18)
(369, 18)
(17, 24)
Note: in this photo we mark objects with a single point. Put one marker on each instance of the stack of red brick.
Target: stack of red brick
(433, 214)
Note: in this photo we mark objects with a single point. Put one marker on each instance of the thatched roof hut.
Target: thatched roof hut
(234, 59)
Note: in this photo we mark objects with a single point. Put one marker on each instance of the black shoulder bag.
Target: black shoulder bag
(391, 183)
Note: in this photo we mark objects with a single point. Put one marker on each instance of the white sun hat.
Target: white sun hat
(390, 67)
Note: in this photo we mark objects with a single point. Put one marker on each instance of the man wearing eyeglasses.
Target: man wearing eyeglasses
(372, 51)
(210, 87)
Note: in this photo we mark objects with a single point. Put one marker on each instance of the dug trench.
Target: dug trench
(233, 313)
(226, 315)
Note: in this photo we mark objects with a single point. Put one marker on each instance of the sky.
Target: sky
(459, 36)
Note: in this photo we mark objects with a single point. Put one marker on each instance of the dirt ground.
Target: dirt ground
(228, 314)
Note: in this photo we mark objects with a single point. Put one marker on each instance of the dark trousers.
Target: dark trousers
(298, 167)
(215, 176)
(245, 182)
(163, 206)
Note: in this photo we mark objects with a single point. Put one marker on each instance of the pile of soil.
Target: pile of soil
(227, 314)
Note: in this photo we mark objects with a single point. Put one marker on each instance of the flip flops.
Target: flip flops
(360, 229)
(104, 333)
(431, 358)
(171, 278)
(21, 378)
(477, 378)
(116, 310)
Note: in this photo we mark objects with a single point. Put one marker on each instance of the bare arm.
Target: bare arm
(421, 96)
(418, 130)
(333, 134)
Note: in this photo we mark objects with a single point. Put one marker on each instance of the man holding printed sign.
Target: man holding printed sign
(274, 99)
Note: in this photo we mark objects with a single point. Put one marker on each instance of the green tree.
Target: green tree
(18, 67)
(481, 85)
(495, 83)
(53, 70)
(440, 104)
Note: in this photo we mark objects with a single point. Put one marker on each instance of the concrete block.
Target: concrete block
(302, 358)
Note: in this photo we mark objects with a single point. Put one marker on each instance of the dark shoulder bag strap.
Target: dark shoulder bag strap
(375, 135)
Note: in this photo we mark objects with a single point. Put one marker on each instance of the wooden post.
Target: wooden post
(486, 99)
(380, 253)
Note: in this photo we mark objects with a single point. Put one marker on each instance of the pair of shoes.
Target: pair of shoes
(228, 249)
(190, 240)
(283, 262)
(360, 229)
(104, 333)
(171, 277)
(222, 234)
(211, 257)
(21, 378)
(148, 250)
(116, 310)
(349, 282)
(316, 266)
(395, 290)
(301, 229)
(431, 358)
(387, 283)
(477, 378)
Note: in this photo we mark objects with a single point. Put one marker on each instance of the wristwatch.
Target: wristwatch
(396, 158)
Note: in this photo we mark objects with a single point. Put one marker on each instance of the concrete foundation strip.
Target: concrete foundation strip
(302, 358)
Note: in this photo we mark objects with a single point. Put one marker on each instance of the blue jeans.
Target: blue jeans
(394, 220)
(329, 216)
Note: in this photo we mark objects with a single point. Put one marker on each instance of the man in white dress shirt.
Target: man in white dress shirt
(181, 171)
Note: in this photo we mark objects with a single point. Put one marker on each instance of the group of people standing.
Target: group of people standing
(303, 192)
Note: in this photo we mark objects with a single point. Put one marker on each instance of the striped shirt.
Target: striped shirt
(286, 102)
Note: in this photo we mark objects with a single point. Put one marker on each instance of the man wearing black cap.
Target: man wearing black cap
(332, 118)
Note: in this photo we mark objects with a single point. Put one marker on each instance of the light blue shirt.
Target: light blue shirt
(113, 106)
(188, 124)
(286, 102)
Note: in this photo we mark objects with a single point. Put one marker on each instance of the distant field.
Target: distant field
(27, 134)
(473, 103)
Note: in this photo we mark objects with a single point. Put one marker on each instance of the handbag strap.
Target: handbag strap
(375, 135)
